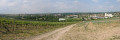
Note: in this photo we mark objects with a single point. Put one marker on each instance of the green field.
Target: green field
(18, 29)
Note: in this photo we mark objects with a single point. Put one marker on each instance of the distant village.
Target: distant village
(62, 17)
(87, 17)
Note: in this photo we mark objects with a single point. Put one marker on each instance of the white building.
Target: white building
(72, 16)
(62, 19)
(108, 15)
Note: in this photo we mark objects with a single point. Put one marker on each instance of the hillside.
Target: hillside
(104, 29)
(11, 29)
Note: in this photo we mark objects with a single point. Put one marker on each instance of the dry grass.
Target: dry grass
(94, 31)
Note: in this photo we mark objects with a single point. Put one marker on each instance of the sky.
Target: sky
(58, 6)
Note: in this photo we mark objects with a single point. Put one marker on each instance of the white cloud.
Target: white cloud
(107, 2)
(47, 6)
(100, 7)
(7, 3)
(25, 1)
(112, 6)
(3, 2)
(12, 4)
(106, 7)
(95, 1)
(118, 0)
(76, 1)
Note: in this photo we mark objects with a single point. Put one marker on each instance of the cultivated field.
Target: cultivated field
(19, 29)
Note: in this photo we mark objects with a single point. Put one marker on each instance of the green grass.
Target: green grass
(73, 19)
(19, 29)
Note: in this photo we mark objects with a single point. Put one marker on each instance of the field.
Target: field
(94, 30)
(102, 29)
(18, 29)
(59, 19)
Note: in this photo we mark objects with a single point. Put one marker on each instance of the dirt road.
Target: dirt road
(91, 31)
(84, 31)
(54, 35)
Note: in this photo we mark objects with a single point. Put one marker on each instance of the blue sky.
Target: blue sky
(58, 6)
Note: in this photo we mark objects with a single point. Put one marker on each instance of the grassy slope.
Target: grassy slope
(22, 29)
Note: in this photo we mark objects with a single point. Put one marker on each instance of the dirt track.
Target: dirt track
(54, 35)
(92, 33)
(83, 31)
